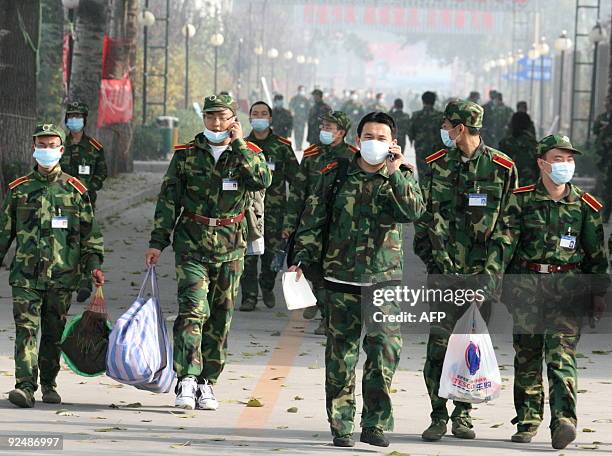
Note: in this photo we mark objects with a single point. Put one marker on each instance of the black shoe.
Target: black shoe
(50, 396)
(83, 294)
(563, 434)
(248, 306)
(344, 441)
(22, 398)
(462, 429)
(435, 431)
(268, 298)
(374, 436)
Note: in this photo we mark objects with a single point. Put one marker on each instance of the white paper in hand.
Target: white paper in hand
(298, 295)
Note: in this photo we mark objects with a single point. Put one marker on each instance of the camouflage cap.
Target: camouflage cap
(556, 142)
(338, 117)
(466, 112)
(214, 103)
(49, 129)
(77, 107)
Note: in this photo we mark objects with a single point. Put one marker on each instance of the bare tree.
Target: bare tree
(19, 25)
(50, 85)
(86, 72)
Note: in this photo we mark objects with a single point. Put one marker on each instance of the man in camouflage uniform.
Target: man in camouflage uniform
(378, 104)
(332, 147)
(282, 162)
(560, 254)
(488, 127)
(602, 129)
(300, 107)
(521, 106)
(282, 120)
(364, 249)
(521, 146)
(402, 120)
(424, 132)
(83, 159)
(463, 234)
(319, 107)
(202, 202)
(49, 213)
(501, 115)
(474, 97)
(355, 110)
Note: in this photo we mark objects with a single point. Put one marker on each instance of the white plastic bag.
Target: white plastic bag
(470, 372)
(298, 295)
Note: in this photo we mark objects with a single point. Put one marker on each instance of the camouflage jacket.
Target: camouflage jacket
(300, 107)
(86, 161)
(523, 150)
(282, 122)
(194, 183)
(424, 130)
(48, 256)
(543, 222)
(402, 121)
(602, 129)
(314, 121)
(283, 163)
(456, 237)
(315, 158)
(365, 233)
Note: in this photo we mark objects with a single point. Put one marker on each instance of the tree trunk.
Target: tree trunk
(19, 30)
(609, 100)
(86, 71)
(123, 32)
(50, 86)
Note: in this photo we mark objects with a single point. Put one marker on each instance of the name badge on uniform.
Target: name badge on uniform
(59, 222)
(477, 199)
(230, 185)
(271, 165)
(84, 170)
(568, 242)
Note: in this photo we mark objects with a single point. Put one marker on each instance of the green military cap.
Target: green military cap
(466, 112)
(77, 107)
(556, 142)
(214, 103)
(338, 117)
(49, 129)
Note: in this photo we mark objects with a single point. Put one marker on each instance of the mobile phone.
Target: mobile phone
(390, 156)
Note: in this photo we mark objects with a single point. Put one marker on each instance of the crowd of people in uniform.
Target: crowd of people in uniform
(489, 200)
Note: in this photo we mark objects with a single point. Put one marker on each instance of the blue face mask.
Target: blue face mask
(75, 124)
(326, 137)
(562, 173)
(47, 158)
(446, 139)
(216, 136)
(260, 124)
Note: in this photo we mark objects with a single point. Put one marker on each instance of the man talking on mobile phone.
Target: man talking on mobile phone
(202, 204)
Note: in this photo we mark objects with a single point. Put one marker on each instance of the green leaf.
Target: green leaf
(497, 425)
(292, 410)
(253, 402)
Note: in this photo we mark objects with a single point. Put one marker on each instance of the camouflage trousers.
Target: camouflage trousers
(439, 334)
(34, 309)
(382, 346)
(250, 283)
(206, 298)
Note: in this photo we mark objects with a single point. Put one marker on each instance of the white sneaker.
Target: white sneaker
(186, 393)
(206, 397)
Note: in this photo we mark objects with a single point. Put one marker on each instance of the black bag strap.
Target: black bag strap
(339, 180)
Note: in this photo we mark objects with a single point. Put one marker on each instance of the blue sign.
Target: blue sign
(546, 62)
(528, 75)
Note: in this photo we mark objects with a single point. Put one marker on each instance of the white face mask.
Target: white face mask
(561, 172)
(374, 152)
(48, 157)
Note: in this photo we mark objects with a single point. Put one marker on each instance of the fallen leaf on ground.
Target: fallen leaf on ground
(292, 409)
(253, 402)
(181, 445)
(110, 429)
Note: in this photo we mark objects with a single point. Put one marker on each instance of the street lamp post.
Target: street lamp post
(596, 36)
(239, 81)
(315, 62)
(216, 40)
(519, 56)
(533, 55)
(288, 55)
(188, 32)
(147, 19)
(501, 64)
(272, 55)
(543, 50)
(300, 60)
(258, 52)
(509, 71)
(562, 44)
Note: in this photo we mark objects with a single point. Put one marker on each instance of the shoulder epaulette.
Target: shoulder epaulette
(353, 149)
(503, 161)
(332, 165)
(182, 147)
(94, 142)
(78, 185)
(591, 201)
(253, 147)
(312, 150)
(17, 182)
(433, 157)
(526, 188)
(284, 140)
